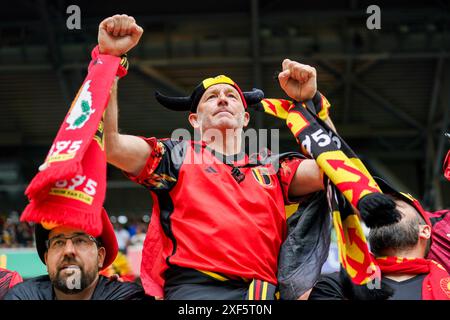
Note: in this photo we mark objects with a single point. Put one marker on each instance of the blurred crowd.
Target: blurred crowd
(16, 234)
(130, 231)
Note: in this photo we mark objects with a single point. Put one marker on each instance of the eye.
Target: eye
(58, 243)
(232, 95)
(211, 96)
(80, 241)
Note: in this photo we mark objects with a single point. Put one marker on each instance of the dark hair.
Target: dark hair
(400, 235)
(396, 197)
(99, 242)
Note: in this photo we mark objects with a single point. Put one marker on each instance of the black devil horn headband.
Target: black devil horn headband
(190, 103)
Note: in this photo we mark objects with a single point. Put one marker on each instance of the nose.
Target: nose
(69, 248)
(222, 99)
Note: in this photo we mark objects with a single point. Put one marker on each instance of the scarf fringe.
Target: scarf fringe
(59, 214)
(44, 180)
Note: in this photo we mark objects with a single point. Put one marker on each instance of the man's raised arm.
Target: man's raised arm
(116, 36)
(299, 81)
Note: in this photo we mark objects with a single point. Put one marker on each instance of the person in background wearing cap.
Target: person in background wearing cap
(401, 250)
(74, 259)
(218, 220)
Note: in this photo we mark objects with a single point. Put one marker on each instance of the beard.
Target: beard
(74, 279)
(397, 236)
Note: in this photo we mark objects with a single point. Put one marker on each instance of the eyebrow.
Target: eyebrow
(74, 234)
(227, 90)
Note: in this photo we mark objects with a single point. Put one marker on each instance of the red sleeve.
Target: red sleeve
(288, 167)
(161, 169)
(152, 161)
(15, 279)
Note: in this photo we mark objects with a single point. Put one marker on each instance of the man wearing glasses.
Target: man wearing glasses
(74, 259)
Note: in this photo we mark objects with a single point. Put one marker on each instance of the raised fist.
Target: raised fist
(299, 81)
(118, 34)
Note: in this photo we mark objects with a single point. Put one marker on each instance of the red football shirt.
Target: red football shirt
(210, 221)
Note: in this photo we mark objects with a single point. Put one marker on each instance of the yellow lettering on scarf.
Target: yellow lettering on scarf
(72, 194)
(61, 157)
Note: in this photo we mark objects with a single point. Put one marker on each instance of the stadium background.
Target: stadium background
(389, 88)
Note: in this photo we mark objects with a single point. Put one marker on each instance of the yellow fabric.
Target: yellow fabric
(264, 290)
(216, 80)
(120, 266)
(250, 291)
(354, 254)
(351, 171)
(49, 225)
(290, 209)
(214, 275)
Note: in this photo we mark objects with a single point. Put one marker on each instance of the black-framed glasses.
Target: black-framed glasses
(79, 241)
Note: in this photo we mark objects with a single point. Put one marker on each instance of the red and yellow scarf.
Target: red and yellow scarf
(436, 285)
(349, 177)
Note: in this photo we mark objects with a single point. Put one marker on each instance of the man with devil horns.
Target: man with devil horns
(218, 217)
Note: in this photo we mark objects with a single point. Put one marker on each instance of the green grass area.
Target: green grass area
(23, 260)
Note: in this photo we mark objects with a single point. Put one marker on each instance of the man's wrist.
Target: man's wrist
(103, 51)
(122, 70)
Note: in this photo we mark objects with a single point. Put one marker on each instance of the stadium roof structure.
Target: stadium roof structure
(389, 87)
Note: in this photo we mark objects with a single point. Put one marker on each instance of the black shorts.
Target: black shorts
(191, 284)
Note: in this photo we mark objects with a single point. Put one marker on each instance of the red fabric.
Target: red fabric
(421, 210)
(436, 285)
(15, 279)
(152, 262)
(8, 279)
(447, 166)
(440, 238)
(287, 171)
(214, 230)
(72, 189)
(11, 278)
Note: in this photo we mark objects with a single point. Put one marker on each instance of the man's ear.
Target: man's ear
(424, 231)
(45, 257)
(193, 120)
(246, 119)
(101, 256)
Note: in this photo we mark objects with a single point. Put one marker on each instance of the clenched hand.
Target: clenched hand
(118, 34)
(299, 81)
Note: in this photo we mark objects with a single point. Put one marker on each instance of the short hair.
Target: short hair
(420, 218)
(396, 197)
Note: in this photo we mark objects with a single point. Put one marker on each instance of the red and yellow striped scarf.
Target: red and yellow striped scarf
(347, 173)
